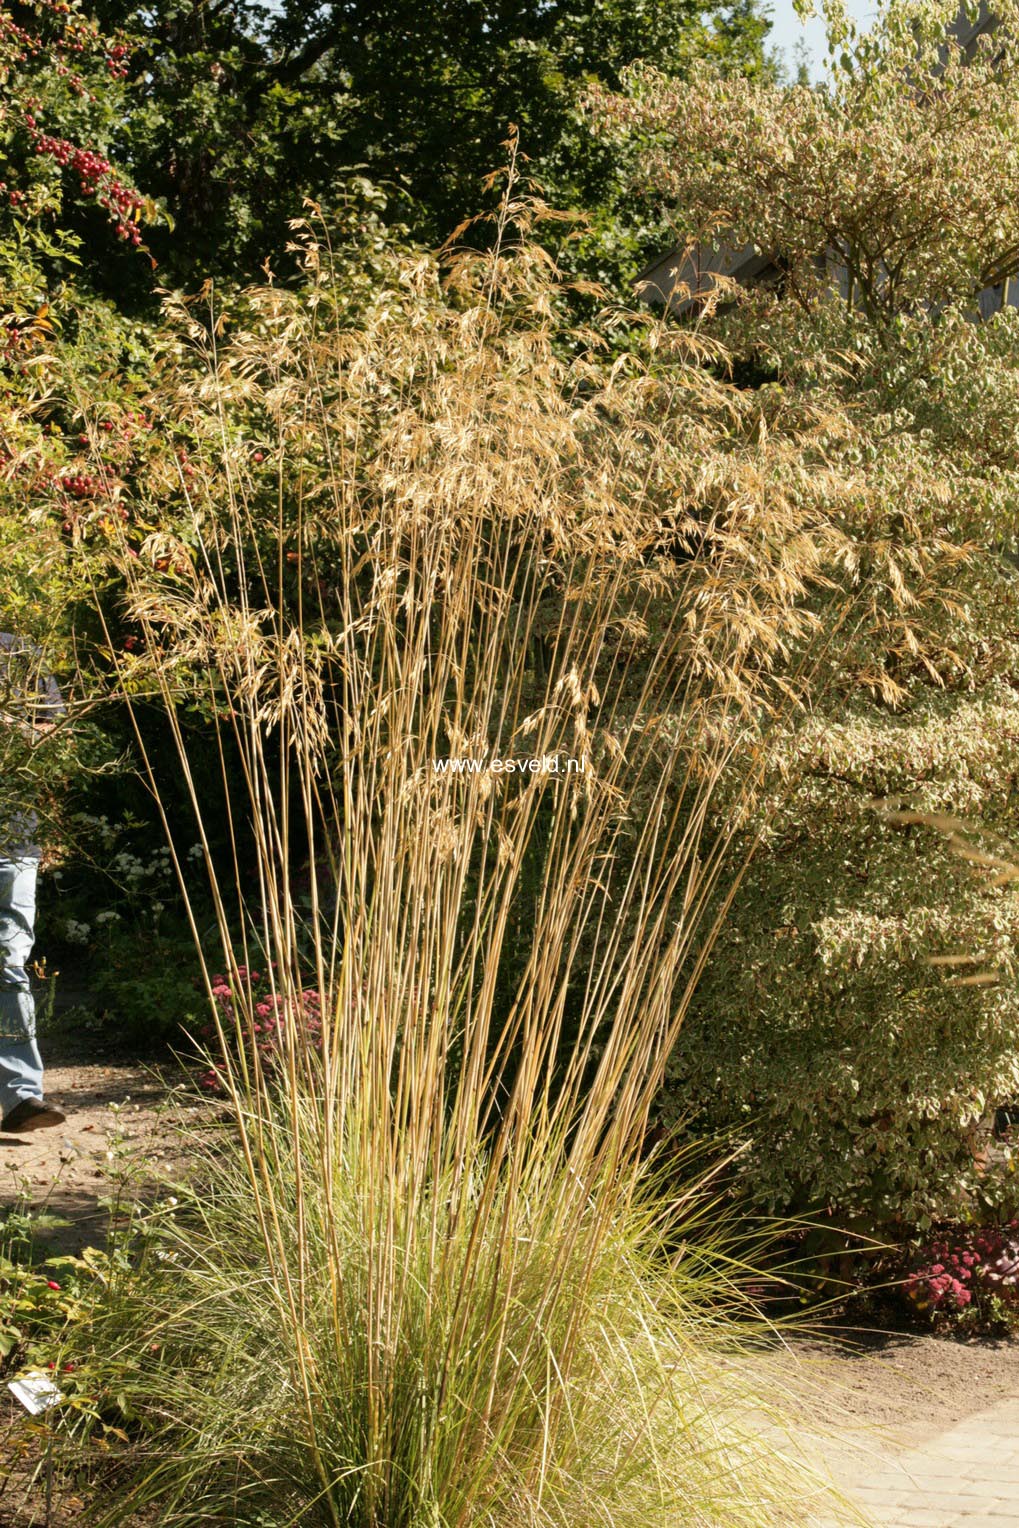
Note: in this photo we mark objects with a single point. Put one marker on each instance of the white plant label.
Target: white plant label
(35, 1392)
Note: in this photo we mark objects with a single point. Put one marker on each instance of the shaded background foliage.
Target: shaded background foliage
(236, 112)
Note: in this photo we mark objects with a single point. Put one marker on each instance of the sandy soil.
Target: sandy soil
(891, 1391)
(119, 1131)
(909, 1385)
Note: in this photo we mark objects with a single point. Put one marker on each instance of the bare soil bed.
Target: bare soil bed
(120, 1117)
(898, 1388)
(120, 1140)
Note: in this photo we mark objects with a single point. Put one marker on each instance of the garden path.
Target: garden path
(116, 1142)
(966, 1476)
(921, 1431)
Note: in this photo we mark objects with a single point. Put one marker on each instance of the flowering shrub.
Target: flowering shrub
(59, 72)
(254, 1007)
(114, 860)
(974, 1272)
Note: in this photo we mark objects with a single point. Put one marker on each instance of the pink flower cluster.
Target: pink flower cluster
(957, 1271)
(270, 1012)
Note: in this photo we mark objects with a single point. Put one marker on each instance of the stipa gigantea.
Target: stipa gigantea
(429, 1286)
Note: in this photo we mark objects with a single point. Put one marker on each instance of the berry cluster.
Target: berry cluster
(81, 485)
(52, 39)
(125, 427)
(95, 177)
(89, 502)
(75, 83)
(95, 500)
(74, 34)
(115, 61)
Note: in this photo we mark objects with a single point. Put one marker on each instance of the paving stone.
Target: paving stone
(919, 1517)
(967, 1477)
(871, 1494)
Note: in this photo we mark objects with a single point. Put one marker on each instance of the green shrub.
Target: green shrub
(860, 1074)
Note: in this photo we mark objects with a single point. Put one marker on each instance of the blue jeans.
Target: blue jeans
(20, 1062)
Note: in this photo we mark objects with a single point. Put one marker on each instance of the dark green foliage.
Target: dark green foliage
(238, 111)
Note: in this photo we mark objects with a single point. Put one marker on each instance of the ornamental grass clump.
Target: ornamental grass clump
(427, 1277)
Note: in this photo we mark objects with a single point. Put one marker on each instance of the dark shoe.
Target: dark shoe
(32, 1114)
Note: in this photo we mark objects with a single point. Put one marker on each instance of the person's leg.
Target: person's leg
(20, 1062)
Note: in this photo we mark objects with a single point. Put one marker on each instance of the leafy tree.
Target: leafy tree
(73, 437)
(237, 111)
(69, 359)
(863, 1075)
